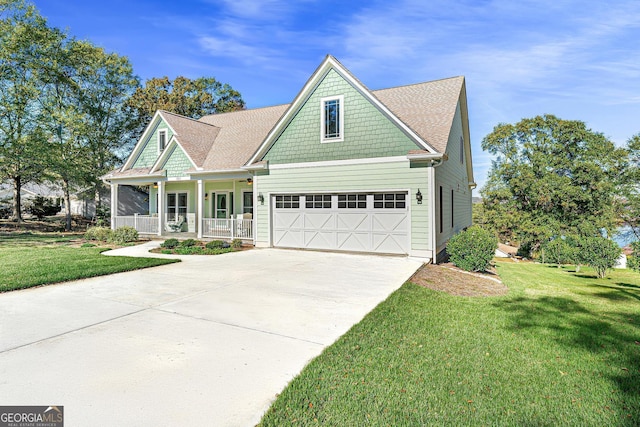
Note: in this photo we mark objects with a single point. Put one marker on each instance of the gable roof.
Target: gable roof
(231, 141)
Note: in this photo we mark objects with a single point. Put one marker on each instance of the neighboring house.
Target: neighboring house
(131, 200)
(506, 251)
(621, 262)
(340, 168)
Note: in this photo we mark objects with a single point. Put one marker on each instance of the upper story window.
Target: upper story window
(332, 121)
(162, 140)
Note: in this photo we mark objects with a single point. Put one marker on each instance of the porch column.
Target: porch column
(114, 205)
(200, 212)
(160, 197)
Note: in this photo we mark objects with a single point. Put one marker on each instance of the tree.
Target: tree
(25, 40)
(600, 253)
(550, 177)
(629, 207)
(190, 98)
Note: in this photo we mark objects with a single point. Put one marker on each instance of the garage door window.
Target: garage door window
(288, 201)
(318, 201)
(352, 201)
(389, 201)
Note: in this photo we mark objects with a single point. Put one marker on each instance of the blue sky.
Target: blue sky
(575, 59)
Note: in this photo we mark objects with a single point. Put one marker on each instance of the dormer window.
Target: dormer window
(332, 120)
(162, 140)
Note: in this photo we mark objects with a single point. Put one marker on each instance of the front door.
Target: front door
(221, 205)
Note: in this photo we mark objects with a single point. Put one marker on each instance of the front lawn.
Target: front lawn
(561, 348)
(30, 260)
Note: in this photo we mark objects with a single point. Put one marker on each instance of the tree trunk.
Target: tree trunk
(17, 202)
(97, 201)
(67, 204)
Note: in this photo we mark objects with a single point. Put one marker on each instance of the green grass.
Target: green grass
(560, 349)
(32, 260)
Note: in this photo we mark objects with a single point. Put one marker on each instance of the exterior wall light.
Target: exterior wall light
(419, 197)
(249, 181)
(261, 198)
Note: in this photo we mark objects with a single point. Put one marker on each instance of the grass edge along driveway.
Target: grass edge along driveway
(28, 266)
(562, 348)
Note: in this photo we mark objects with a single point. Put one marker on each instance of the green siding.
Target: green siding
(344, 178)
(149, 154)
(367, 132)
(177, 163)
(452, 175)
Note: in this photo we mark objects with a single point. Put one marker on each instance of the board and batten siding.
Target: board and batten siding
(452, 175)
(369, 177)
(149, 154)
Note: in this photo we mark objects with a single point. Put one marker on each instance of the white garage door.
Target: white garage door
(360, 222)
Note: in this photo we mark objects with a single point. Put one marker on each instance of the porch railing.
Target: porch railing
(145, 224)
(227, 228)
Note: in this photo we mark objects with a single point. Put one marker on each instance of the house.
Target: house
(505, 251)
(131, 200)
(341, 168)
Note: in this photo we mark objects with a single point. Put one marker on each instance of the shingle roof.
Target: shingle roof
(196, 137)
(427, 108)
(241, 133)
(228, 140)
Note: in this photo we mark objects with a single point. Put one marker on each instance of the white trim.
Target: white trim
(371, 160)
(252, 199)
(432, 177)
(427, 156)
(214, 203)
(139, 145)
(176, 192)
(166, 141)
(331, 63)
(323, 137)
(262, 166)
(179, 178)
(200, 207)
(168, 152)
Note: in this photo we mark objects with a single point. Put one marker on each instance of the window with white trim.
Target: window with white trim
(332, 119)
(288, 201)
(352, 201)
(162, 140)
(318, 201)
(247, 202)
(390, 201)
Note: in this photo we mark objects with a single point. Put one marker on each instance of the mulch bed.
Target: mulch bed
(447, 278)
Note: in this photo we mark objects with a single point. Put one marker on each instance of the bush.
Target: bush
(124, 235)
(188, 243)
(559, 251)
(472, 249)
(217, 244)
(42, 206)
(599, 253)
(236, 243)
(633, 261)
(103, 234)
(169, 243)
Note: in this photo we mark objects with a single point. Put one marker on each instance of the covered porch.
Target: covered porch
(213, 207)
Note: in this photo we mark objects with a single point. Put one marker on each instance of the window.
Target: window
(162, 140)
(318, 201)
(440, 209)
(461, 150)
(332, 121)
(451, 208)
(390, 201)
(247, 202)
(288, 201)
(176, 207)
(352, 201)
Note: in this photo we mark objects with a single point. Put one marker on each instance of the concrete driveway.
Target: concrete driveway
(208, 341)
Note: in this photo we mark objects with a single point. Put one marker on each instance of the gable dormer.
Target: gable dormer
(151, 144)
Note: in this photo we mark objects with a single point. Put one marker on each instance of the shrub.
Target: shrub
(599, 253)
(42, 206)
(189, 250)
(103, 234)
(236, 243)
(217, 244)
(125, 234)
(559, 251)
(169, 243)
(189, 243)
(472, 249)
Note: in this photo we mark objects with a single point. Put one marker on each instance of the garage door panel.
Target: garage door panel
(356, 242)
(319, 240)
(319, 221)
(387, 243)
(353, 221)
(390, 222)
(288, 219)
(288, 238)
